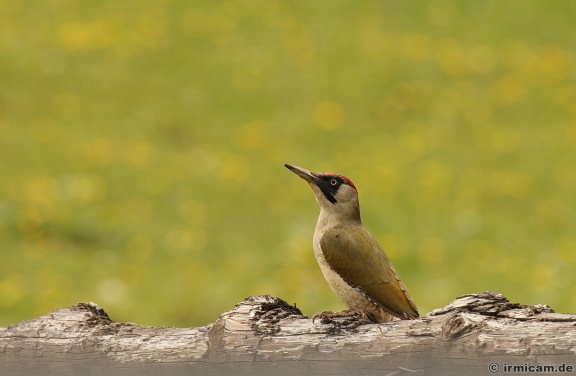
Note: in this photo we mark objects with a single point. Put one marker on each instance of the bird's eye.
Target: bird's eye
(334, 182)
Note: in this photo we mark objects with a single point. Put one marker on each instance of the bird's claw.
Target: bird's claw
(327, 317)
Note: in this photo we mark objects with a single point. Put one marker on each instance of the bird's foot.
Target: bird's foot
(327, 317)
(341, 318)
(338, 321)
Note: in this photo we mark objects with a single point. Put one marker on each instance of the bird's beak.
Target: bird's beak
(303, 173)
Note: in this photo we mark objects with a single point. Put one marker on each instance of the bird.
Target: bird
(352, 261)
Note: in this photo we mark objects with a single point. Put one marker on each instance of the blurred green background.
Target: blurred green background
(142, 146)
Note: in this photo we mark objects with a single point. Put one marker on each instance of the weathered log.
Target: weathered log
(475, 334)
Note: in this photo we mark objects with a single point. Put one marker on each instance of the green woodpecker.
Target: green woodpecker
(353, 263)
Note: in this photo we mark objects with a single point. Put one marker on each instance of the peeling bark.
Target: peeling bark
(265, 335)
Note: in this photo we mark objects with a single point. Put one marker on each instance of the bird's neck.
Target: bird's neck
(330, 216)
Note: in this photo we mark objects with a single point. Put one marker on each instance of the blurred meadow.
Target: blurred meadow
(142, 146)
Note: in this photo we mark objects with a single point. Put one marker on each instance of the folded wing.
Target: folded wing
(358, 258)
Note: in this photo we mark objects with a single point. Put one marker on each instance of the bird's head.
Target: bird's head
(335, 193)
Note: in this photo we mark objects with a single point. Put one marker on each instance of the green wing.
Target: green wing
(369, 270)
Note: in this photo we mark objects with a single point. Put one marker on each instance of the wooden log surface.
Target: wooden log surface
(475, 334)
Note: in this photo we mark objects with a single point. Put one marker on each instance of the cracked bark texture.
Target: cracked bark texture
(265, 335)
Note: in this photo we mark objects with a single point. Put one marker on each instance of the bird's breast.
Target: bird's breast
(348, 294)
